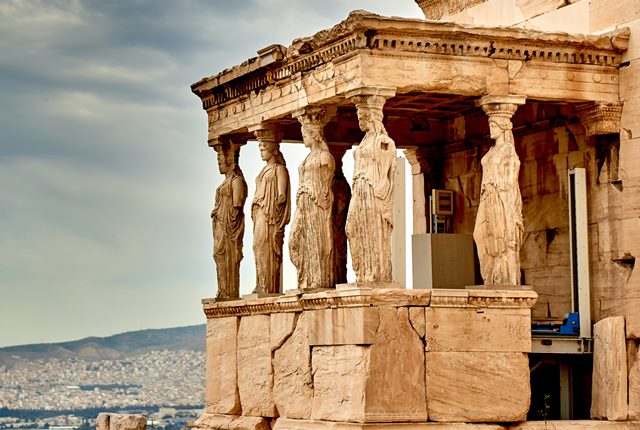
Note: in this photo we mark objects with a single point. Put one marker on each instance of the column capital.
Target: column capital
(312, 115)
(600, 117)
(417, 158)
(501, 105)
(360, 94)
(266, 132)
(221, 143)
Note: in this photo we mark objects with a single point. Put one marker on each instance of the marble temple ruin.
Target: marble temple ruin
(519, 120)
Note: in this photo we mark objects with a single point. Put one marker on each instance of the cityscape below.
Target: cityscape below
(66, 385)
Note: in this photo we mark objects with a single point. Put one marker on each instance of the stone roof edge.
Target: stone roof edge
(275, 55)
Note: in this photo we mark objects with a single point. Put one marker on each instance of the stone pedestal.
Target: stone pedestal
(365, 355)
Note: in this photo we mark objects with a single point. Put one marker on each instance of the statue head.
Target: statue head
(498, 126)
(370, 114)
(269, 139)
(313, 119)
(228, 156)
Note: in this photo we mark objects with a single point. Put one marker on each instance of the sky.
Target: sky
(107, 183)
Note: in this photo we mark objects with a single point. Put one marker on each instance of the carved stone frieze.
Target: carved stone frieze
(359, 297)
(230, 92)
(600, 117)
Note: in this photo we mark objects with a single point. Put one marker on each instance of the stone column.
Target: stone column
(370, 216)
(341, 199)
(270, 211)
(311, 240)
(498, 230)
(417, 161)
(227, 219)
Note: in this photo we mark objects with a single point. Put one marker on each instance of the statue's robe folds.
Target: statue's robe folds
(311, 241)
(228, 231)
(499, 226)
(269, 220)
(370, 217)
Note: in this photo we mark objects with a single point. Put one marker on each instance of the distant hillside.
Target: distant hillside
(112, 347)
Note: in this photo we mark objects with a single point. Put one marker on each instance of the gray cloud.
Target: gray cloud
(107, 182)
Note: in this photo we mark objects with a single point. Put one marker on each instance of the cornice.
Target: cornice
(366, 32)
(295, 301)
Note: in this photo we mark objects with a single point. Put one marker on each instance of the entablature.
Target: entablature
(416, 57)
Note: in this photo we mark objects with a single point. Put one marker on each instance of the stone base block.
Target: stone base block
(480, 329)
(255, 371)
(477, 386)
(343, 326)
(576, 425)
(230, 422)
(286, 424)
(609, 385)
(234, 422)
(222, 382)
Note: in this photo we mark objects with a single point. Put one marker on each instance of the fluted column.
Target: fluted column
(498, 230)
(270, 211)
(370, 216)
(311, 240)
(227, 219)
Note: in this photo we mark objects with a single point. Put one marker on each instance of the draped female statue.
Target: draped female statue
(499, 228)
(311, 241)
(270, 211)
(370, 216)
(228, 222)
(341, 199)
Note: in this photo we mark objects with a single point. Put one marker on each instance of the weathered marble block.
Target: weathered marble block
(221, 366)
(111, 421)
(367, 356)
(478, 329)
(231, 422)
(255, 372)
(344, 326)
(477, 386)
(609, 384)
(292, 379)
(633, 355)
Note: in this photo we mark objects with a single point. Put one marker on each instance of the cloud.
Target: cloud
(107, 180)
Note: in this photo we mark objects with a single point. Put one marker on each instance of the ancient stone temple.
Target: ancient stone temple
(519, 121)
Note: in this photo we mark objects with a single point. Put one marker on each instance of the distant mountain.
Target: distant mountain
(112, 347)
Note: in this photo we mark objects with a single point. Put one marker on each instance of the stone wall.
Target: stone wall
(614, 196)
(369, 356)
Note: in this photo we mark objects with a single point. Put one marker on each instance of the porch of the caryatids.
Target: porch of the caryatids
(370, 216)
(227, 219)
(311, 243)
(499, 227)
(270, 211)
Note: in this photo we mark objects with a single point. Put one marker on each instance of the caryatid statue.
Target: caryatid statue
(499, 228)
(270, 211)
(370, 216)
(341, 200)
(227, 220)
(311, 240)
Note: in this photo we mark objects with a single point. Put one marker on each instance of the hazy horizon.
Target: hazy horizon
(108, 180)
